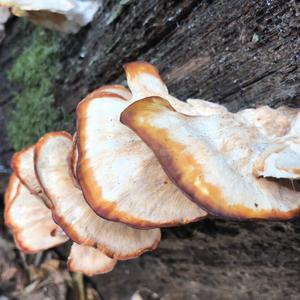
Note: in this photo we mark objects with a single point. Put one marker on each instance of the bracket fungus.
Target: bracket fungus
(281, 127)
(32, 225)
(120, 177)
(141, 160)
(30, 220)
(211, 159)
(66, 15)
(71, 211)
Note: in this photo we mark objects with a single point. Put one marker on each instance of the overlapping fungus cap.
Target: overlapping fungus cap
(120, 177)
(89, 261)
(30, 220)
(269, 121)
(281, 129)
(211, 159)
(71, 211)
(64, 15)
(103, 90)
(32, 225)
(23, 166)
(144, 81)
(279, 160)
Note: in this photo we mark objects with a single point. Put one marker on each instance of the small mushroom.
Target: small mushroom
(211, 159)
(30, 220)
(89, 261)
(120, 177)
(64, 15)
(71, 211)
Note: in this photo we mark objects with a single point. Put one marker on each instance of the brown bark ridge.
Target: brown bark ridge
(239, 53)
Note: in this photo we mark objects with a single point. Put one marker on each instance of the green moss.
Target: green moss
(32, 75)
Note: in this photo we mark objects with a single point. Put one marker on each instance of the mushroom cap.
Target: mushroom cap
(144, 81)
(280, 159)
(105, 89)
(64, 15)
(30, 220)
(120, 177)
(281, 127)
(269, 121)
(50, 5)
(71, 211)
(211, 159)
(23, 166)
(89, 261)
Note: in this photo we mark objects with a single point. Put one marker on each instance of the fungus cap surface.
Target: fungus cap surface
(22, 164)
(211, 159)
(120, 177)
(31, 222)
(71, 211)
(89, 261)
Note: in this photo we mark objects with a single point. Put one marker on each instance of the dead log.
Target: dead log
(239, 53)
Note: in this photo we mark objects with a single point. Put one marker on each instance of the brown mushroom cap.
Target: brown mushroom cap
(89, 261)
(120, 177)
(30, 220)
(71, 211)
(211, 159)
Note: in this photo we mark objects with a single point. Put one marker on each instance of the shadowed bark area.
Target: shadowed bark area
(234, 52)
(239, 53)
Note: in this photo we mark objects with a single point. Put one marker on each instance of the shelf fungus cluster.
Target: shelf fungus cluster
(142, 160)
(64, 15)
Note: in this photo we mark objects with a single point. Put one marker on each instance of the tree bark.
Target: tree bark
(238, 53)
